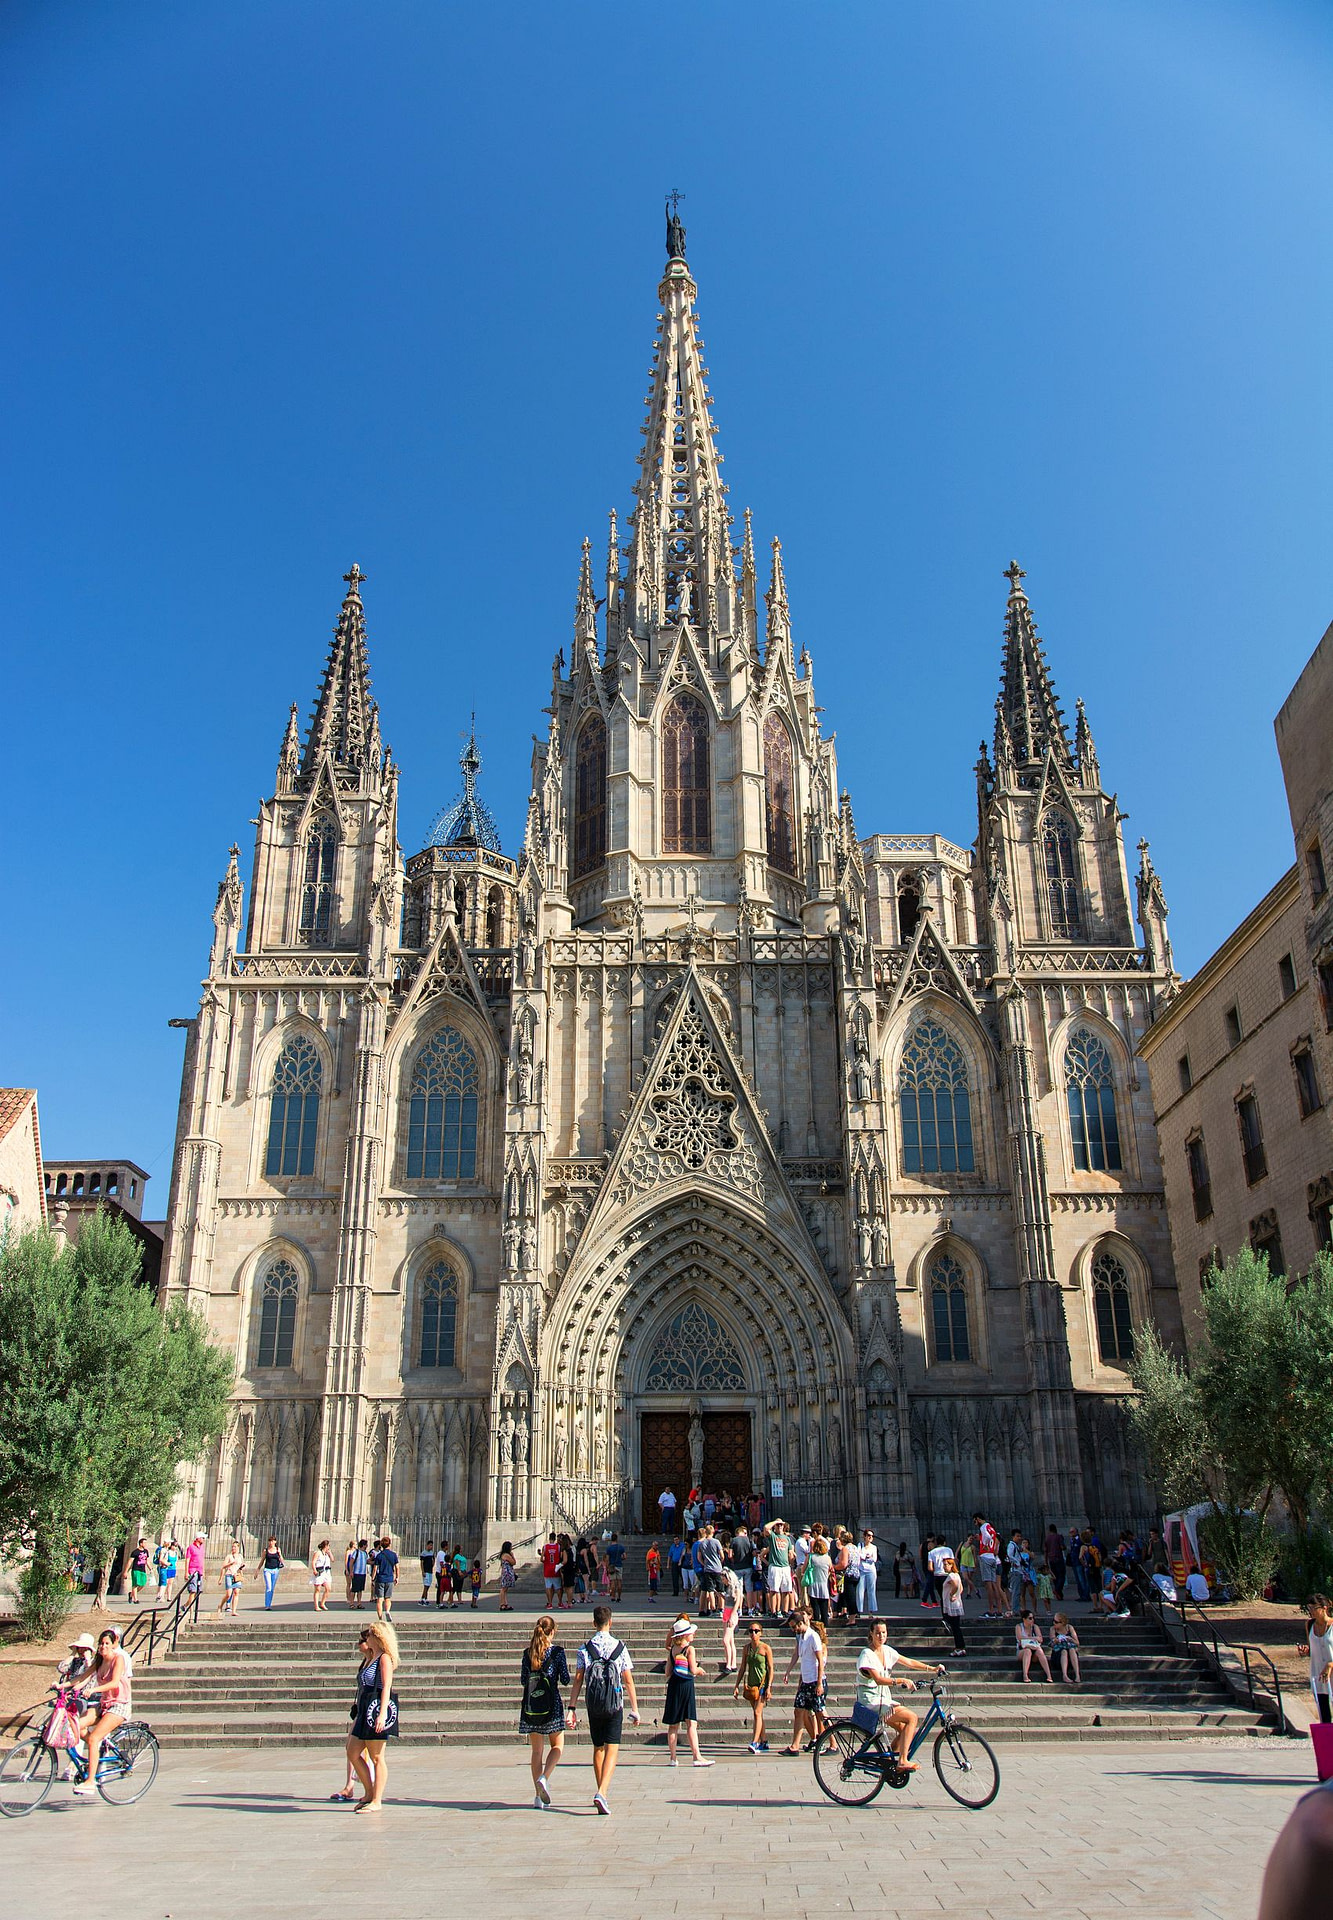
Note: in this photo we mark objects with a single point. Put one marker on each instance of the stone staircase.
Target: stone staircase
(287, 1679)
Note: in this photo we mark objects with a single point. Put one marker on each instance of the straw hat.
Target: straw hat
(85, 1643)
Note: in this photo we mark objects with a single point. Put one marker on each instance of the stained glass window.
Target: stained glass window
(1111, 1303)
(948, 1309)
(686, 801)
(694, 1354)
(321, 850)
(439, 1316)
(1061, 876)
(294, 1108)
(1090, 1087)
(779, 796)
(933, 1099)
(277, 1314)
(442, 1110)
(590, 796)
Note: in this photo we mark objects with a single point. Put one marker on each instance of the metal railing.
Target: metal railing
(1210, 1644)
(147, 1632)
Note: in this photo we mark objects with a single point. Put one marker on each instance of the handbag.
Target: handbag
(1321, 1736)
(865, 1719)
(62, 1727)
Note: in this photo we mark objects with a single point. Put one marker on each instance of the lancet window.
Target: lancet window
(694, 1354)
(321, 852)
(277, 1314)
(442, 1110)
(934, 1102)
(1113, 1309)
(438, 1319)
(1062, 891)
(948, 1309)
(686, 800)
(590, 796)
(780, 796)
(1090, 1088)
(294, 1108)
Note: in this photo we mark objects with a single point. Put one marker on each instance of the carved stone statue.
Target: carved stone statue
(513, 1243)
(505, 1439)
(835, 1446)
(696, 1450)
(864, 1247)
(559, 1453)
(813, 1450)
(794, 1447)
(865, 1083)
(880, 1235)
(521, 1440)
(621, 1473)
(528, 1242)
(774, 1450)
(675, 234)
(581, 1449)
(523, 1073)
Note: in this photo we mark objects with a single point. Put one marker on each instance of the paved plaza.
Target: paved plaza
(1160, 1832)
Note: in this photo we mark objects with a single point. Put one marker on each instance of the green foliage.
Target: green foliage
(1245, 1549)
(102, 1396)
(1253, 1417)
(1305, 1563)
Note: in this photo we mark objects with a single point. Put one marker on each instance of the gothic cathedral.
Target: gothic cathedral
(707, 1139)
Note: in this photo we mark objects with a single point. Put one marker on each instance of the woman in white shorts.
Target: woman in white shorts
(321, 1576)
(874, 1669)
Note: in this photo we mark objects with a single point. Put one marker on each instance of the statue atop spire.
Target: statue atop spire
(675, 232)
(1028, 719)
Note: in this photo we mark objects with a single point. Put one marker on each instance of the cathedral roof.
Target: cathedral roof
(466, 821)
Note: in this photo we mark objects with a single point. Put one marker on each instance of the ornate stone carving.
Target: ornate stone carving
(692, 1124)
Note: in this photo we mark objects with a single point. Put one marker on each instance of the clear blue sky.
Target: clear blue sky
(292, 285)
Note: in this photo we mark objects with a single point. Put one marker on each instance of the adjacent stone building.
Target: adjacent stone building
(705, 1139)
(22, 1197)
(76, 1189)
(1241, 1060)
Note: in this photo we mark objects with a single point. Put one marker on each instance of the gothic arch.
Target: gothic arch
(267, 1054)
(920, 1281)
(443, 1252)
(1124, 1078)
(967, 1033)
(401, 1055)
(249, 1284)
(1138, 1275)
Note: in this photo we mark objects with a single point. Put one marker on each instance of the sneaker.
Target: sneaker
(540, 1804)
(84, 1791)
(599, 1801)
(543, 1792)
(763, 1746)
(754, 1747)
(704, 1763)
(673, 1763)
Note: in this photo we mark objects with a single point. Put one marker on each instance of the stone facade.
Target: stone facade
(22, 1195)
(1241, 1061)
(705, 1138)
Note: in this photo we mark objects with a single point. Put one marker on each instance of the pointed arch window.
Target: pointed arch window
(1057, 839)
(442, 1110)
(293, 1116)
(1113, 1309)
(935, 1104)
(686, 800)
(277, 1314)
(495, 918)
(321, 852)
(438, 1288)
(590, 796)
(909, 906)
(948, 1309)
(694, 1354)
(1090, 1088)
(780, 796)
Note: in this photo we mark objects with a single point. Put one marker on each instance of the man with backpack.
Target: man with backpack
(605, 1677)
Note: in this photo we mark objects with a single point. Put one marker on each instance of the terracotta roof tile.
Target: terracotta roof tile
(13, 1104)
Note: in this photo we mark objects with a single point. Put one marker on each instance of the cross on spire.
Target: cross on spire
(1013, 573)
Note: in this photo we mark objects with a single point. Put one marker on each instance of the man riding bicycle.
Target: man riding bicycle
(874, 1672)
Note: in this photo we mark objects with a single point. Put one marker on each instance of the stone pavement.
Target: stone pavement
(1158, 1833)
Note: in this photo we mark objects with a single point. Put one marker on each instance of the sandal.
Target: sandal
(344, 1797)
(793, 1753)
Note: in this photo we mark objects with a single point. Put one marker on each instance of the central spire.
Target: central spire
(344, 722)
(1028, 719)
(681, 565)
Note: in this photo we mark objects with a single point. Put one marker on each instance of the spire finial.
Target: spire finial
(675, 234)
(1029, 722)
(1013, 573)
(468, 822)
(343, 709)
(354, 579)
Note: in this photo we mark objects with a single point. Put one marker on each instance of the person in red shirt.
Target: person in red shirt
(551, 1557)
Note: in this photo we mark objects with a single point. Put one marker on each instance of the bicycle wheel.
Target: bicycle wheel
(26, 1774)
(130, 1767)
(849, 1768)
(968, 1770)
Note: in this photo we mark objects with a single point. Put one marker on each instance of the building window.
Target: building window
(1061, 876)
(1111, 1304)
(933, 1097)
(1314, 866)
(321, 849)
(948, 1309)
(438, 1287)
(1266, 1239)
(1232, 1018)
(960, 929)
(293, 1114)
(1307, 1085)
(590, 797)
(495, 918)
(1208, 1267)
(442, 1110)
(686, 801)
(1286, 975)
(779, 796)
(1326, 990)
(1090, 1089)
(909, 906)
(1321, 1211)
(1200, 1186)
(1186, 1077)
(277, 1315)
(1251, 1138)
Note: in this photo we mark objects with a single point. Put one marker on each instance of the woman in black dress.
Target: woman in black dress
(568, 1568)
(542, 1716)
(681, 1708)
(374, 1714)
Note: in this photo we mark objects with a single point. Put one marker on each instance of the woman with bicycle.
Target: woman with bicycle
(110, 1687)
(874, 1673)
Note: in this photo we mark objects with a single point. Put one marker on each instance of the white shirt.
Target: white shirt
(803, 1548)
(666, 1500)
(937, 1557)
(1197, 1587)
(810, 1649)
(869, 1691)
(1321, 1653)
(441, 1561)
(870, 1555)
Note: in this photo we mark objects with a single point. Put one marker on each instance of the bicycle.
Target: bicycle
(853, 1761)
(126, 1767)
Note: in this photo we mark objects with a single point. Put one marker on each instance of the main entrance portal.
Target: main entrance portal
(664, 1456)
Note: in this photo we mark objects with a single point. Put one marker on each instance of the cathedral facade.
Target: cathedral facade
(706, 1139)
